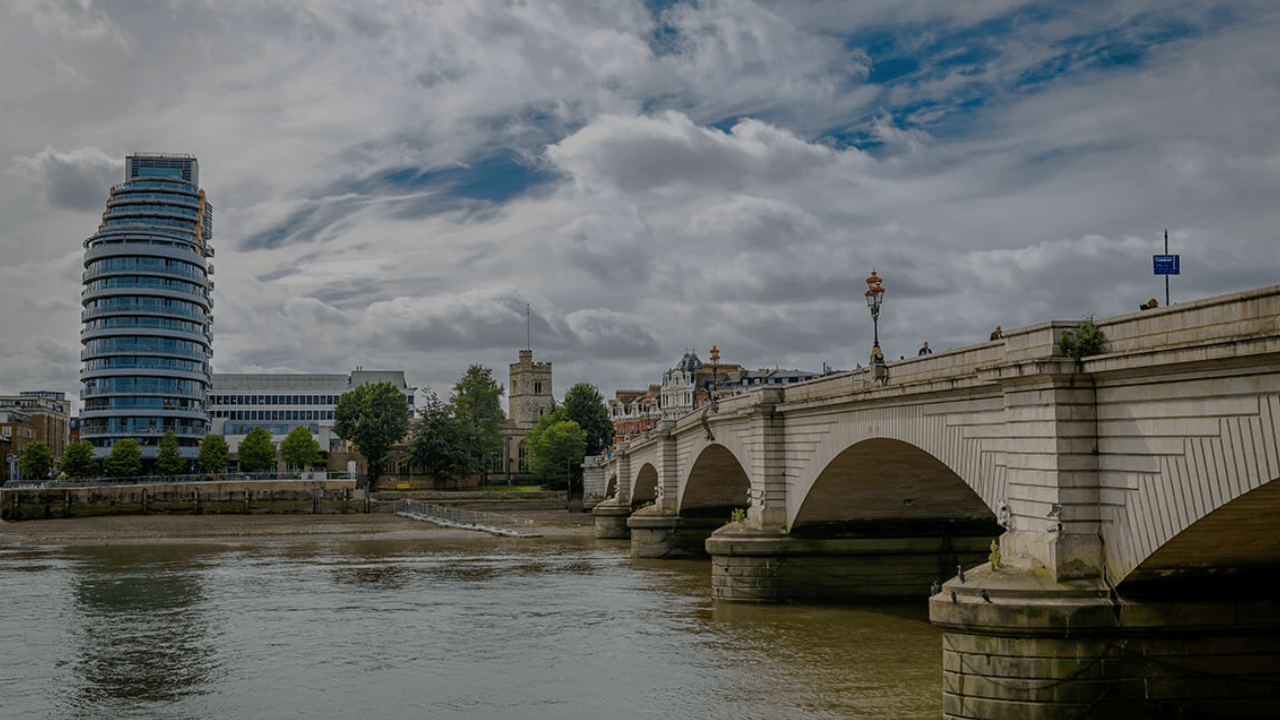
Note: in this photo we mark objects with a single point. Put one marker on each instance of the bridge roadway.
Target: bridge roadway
(1133, 496)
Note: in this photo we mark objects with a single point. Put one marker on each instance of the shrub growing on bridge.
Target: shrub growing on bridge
(1085, 340)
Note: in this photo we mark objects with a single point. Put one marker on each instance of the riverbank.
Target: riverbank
(146, 529)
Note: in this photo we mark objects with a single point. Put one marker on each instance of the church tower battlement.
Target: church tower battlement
(530, 390)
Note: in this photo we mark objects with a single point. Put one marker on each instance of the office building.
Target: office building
(148, 309)
(279, 402)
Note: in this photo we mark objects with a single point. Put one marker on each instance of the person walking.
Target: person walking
(997, 333)
(924, 349)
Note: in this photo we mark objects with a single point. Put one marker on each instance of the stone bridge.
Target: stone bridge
(1133, 493)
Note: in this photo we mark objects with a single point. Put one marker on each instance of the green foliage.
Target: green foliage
(994, 557)
(214, 455)
(36, 461)
(439, 446)
(738, 515)
(299, 449)
(476, 405)
(584, 405)
(556, 444)
(169, 460)
(1086, 339)
(257, 452)
(78, 460)
(373, 418)
(125, 459)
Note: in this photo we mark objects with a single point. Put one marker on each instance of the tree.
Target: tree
(214, 455)
(36, 461)
(169, 461)
(476, 404)
(299, 449)
(438, 446)
(557, 444)
(78, 460)
(125, 459)
(257, 451)
(584, 405)
(373, 418)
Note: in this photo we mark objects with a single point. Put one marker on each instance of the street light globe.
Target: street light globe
(875, 291)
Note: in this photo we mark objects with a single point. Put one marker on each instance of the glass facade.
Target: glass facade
(148, 308)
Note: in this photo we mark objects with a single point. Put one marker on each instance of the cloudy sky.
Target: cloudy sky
(395, 181)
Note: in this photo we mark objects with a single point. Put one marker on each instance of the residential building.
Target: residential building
(42, 415)
(747, 380)
(635, 412)
(686, 386)
(148, 309)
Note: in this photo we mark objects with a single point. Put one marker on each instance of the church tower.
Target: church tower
(530, 390)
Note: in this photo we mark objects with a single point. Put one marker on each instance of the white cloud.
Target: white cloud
(670, 153)
(698, 173)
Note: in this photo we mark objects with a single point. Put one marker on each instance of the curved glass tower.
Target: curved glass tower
(147, 309)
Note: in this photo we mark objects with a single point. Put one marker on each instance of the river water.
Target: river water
(563, 629)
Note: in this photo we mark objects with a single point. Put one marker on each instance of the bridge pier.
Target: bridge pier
(661, 533)
(753, 565)
(611, 520)
(1037, 648)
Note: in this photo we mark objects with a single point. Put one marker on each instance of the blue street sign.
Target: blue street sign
(1166, 264)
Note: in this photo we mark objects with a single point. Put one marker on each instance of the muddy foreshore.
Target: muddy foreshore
(147, 529)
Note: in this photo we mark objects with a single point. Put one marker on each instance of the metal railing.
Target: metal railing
(302, 476)
(467, 519)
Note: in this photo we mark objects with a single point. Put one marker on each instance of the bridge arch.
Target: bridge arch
(1237, 539)
(716, 483)
(884, 480)
(645, 488)
(972, 460)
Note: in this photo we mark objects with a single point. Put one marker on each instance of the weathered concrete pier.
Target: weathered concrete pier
(1132, 493)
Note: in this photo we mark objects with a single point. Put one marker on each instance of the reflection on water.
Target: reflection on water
(484, 628)
(139, 632)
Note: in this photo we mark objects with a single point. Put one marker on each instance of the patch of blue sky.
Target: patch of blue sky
(496, 178)
(473, 187)
(883, 71)
(665, 37)
(911, 55)
(726, 124)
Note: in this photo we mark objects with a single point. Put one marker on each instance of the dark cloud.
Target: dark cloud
(74, 180)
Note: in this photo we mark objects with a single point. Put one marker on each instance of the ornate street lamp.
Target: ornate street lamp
(715, 372)
(875, 295)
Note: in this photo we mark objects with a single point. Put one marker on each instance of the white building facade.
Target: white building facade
(280, 402)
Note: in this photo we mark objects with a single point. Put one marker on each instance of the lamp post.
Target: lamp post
(715, 372)
(875, 295)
